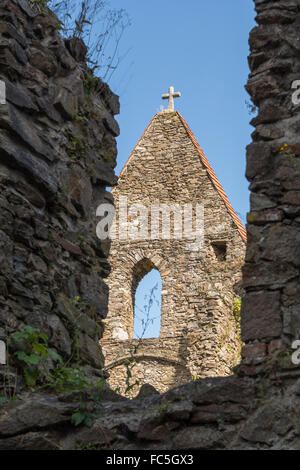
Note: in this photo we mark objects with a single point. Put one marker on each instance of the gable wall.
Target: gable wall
(197, 288)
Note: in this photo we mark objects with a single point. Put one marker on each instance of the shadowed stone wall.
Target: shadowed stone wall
(199, 286)
(57, 154)
(270, 316)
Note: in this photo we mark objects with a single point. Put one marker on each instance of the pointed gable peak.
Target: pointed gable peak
(166, 116)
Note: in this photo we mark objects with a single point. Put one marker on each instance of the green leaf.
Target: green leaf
(78, 418)
(30, 377)
(30, 329)
(33, 359)
(88, 421)
(40, 349)
(21, 355)
(56, 357)
(18, 336)
(44, 337)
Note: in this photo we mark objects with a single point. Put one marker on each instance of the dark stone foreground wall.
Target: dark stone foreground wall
(57, 154)
(259, 407)
(271, 311)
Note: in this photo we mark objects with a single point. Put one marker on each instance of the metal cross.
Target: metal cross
(170, 96)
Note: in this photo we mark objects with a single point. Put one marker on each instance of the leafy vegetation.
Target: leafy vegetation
(42, 367)
(158, 414)
(237, 304)
(287, 151)
(34, 350)
(131, 362)
(84, 446)
(100, 27)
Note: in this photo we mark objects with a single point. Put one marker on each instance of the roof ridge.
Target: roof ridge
(215, 181)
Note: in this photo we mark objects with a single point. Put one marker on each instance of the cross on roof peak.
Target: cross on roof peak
(170, 96)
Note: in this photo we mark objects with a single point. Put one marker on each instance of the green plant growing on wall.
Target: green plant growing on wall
(158, 414)
(82, 417)
(150, 300)
(31, 358)
(237, 304)
(130, 362)
(86, 414)
(77, 148)
(68, 378)
(106, 150)
(33, 353)
(100, 27)
(236, 359)
(92, 84)
(129, 365)
(85, 446)
(287, 151)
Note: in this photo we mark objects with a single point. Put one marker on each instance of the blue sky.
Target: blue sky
(201, 49)
(147, 306)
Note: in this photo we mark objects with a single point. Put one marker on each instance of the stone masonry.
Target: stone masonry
(270, 311)
(57, 154)
(198, 334)
(258, 407)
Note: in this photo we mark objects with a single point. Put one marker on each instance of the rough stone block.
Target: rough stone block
(259, 159)
(260, 316)
(90, 351)
(266, 274)
(66, 103)
(254, 350)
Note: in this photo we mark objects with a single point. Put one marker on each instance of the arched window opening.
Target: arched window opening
(147, 306)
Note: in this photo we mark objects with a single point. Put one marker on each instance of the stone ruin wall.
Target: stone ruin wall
(259, 406)
(57, 154)
(199, 335)
(270, 312)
